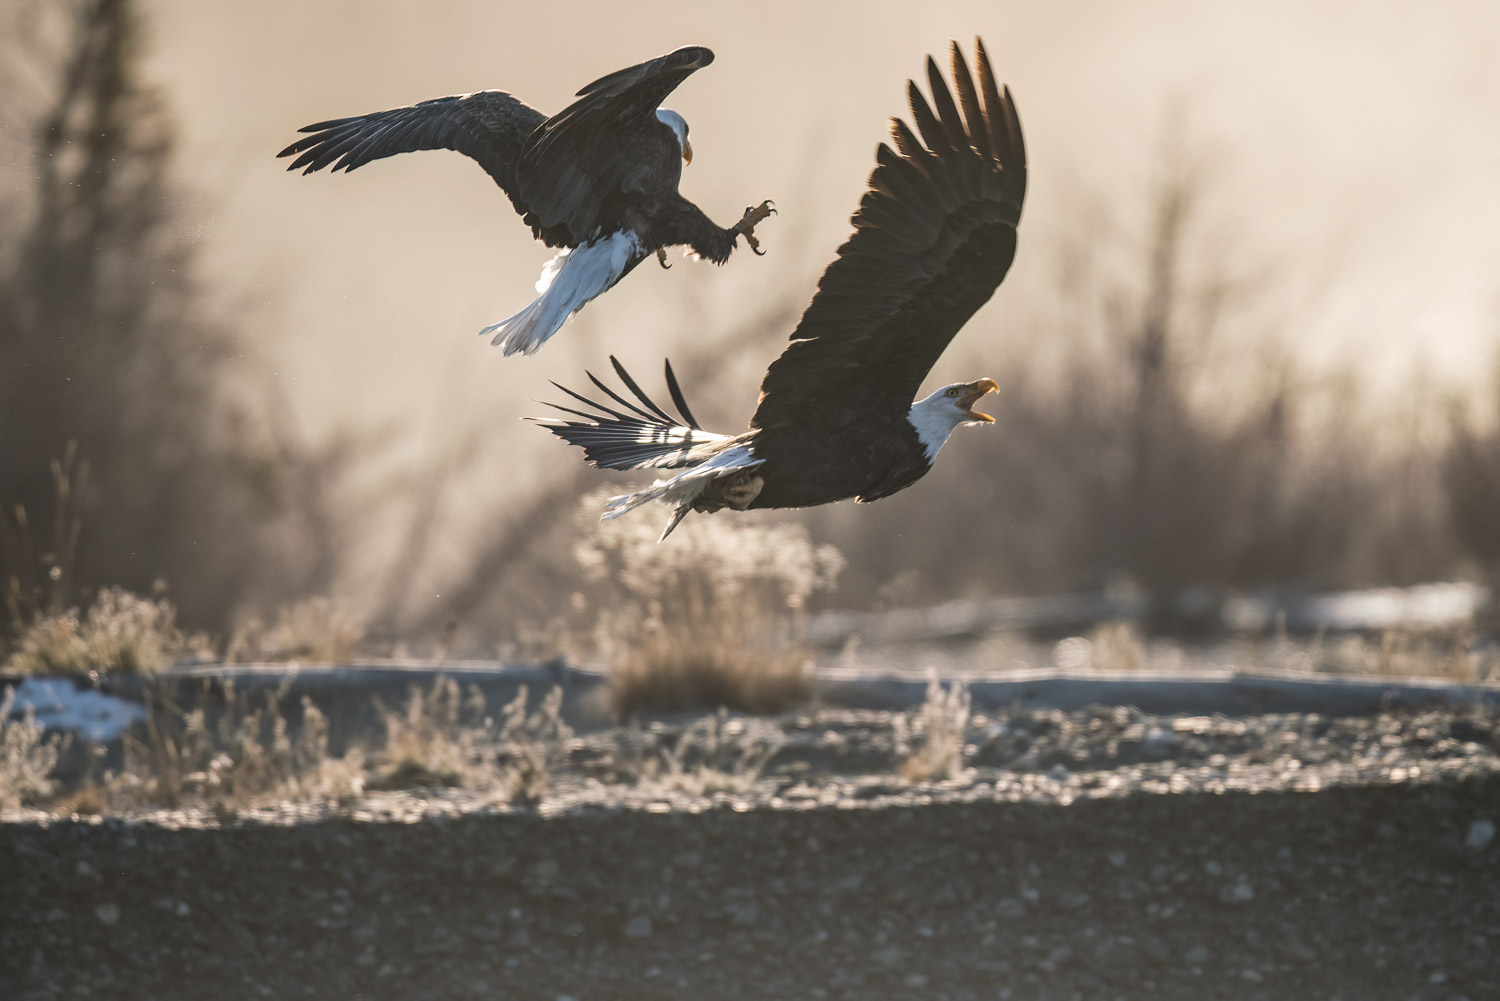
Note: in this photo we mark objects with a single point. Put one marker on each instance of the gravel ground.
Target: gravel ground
(1099, 854)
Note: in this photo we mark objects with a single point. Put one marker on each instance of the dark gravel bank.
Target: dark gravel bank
(1366, 891)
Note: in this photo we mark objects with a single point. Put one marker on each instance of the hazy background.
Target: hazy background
(1295, 205)
(1356, 143)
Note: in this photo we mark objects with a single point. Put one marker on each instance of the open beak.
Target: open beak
(977, 390)
(687, 151)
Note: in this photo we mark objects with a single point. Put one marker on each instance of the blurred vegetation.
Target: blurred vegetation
(28, 755)
(1158, 428)
(127, 404)
(1471, 476)
(718, 619)
(931, 739)
(120, 634)
(447, 737)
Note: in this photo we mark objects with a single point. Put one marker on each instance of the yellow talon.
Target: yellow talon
(746, 226)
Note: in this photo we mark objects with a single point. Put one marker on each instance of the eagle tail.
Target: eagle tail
(639, 434)
(569, 281)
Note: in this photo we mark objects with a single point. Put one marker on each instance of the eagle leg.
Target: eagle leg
(735, 491)
(746, 226)
(661, 258)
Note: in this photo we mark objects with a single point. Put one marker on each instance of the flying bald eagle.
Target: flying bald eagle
(598, 179)
(933, 237)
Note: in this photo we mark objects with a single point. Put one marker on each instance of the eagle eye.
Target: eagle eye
(952, 392)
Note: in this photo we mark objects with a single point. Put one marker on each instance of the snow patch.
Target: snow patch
(60, 704)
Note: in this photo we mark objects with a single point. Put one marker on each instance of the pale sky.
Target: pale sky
(1358, 144)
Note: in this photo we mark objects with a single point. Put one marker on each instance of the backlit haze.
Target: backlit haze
(1354, 147)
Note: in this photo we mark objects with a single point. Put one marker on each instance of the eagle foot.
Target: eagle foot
(661, 258)
(743, 488)
(746, 226)
(736, 491)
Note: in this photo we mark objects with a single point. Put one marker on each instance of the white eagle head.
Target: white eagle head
(678, 125)
(935, 417)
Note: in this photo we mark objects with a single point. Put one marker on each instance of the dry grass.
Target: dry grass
(319, 630)
(1454, 654)
(533, 746)
(1407, 654)
(675, 669)
(230, 752)
(27, 757)
(937, 729)
(1110, 646)
(717, 754)
(712, 618)
(435, 740)
(444, 737)
(88, 800)
(122, 633)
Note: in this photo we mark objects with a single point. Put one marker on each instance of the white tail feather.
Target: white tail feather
(684, 488)
(569, 282)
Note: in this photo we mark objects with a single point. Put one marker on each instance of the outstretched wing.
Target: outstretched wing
(642, 435)
(583, 155)
(490, 126)
(933, 237)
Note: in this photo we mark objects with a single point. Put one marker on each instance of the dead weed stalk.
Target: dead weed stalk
(27, 757)
(938, 731)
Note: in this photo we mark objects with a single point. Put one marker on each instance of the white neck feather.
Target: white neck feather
(934, 420)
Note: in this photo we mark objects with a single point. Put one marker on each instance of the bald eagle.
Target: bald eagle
(598, 179)
(933, 237)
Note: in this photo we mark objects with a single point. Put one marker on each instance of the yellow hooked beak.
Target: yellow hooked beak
(687, 151)
(977, 390)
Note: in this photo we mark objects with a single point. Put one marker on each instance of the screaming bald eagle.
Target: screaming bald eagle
(598, 179)
(933, 237)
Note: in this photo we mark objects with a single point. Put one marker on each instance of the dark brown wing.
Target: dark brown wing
(933, 237)
(588, 153)
(490, 126)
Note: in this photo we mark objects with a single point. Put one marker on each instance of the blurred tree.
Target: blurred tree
(1154, 429)
(112, 351)
(1471, 481)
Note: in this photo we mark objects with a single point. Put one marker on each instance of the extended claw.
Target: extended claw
(746, 226)
(661, 258)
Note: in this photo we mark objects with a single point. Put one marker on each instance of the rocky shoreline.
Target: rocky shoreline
(1358, 892)
(1099, 854)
